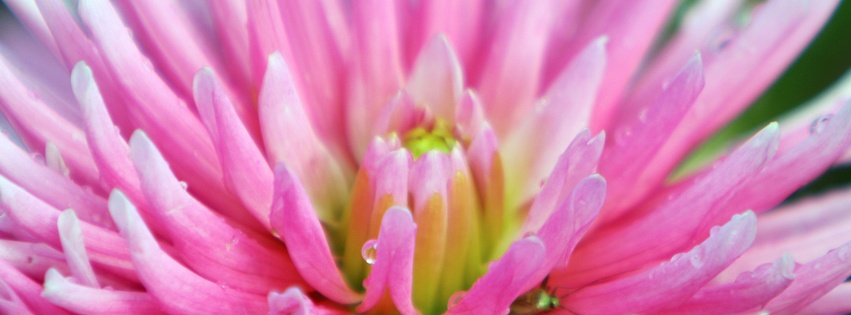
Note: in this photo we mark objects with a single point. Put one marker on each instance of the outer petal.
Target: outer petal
(87, 300)
(246, 172)
(494, 292)
(750, 291)
(71, 236)
(813, 280)
(176, 288)
(294, 220)
(394, 263)
(437, 64)
(223, 251)
(671, 282)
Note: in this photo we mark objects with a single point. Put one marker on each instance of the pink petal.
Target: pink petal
(638, 138)
(469, 116)
(436, 80)
(27, 290)
(177, 289)
(291, 302)
(246, 172)
(837, 301)
(31, 259)
(71, 237)
(576, 163)
(509, 77)
(36, 123)
(157, 110)
(748, 293)
(375, 73)
(92, 300)
(670, 282)
(294, 220)
(394, 263)
(566, 226)
(557, 118)
(813, 280)
(223, 251)
(105, 248)
(49, 186)
(266, 35)
(28, 13)
(10, 303)
(494, 292)
(458, 21)
(289, 138)
(639, 240)
(399, 115)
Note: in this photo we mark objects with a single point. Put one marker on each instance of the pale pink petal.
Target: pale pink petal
(92, 300)
(231, 16)
(316, 28)
(394, 262)
(31, 259)
(27, 290)
(469, 116)
(458, 21)
(577, 162)
(436, 80)
(510, 75)
(375, 72)
(640, 240)
(399, 115)
(494, 292)
(51, 187)
(294, 220)
(670, 282)
(837, 301)
(223, 251)
(534, 146)
(105, 248)
(27, 11)
(36, 123)
(289, 138)
(161, 113)
(176, 288)
(638, 138)
(266, 35)
(294, 302)
(71, 237)
(813, 280)
(749, 292)
(246, 172)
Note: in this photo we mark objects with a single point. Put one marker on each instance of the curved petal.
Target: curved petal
(88, 300)
(294, 220)
(394, 263)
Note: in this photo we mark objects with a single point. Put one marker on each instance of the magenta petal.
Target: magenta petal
(813, 280)
(88, 300)
(246, 171)
(750, 291)
(494, 292)
(670, 282)
(176, 288)
(394, 263)
(294, 220)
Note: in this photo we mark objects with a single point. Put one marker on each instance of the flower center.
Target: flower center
(420, 140)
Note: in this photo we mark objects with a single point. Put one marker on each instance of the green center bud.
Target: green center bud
(421, 140)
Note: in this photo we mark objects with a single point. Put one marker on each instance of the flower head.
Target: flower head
(466, 157)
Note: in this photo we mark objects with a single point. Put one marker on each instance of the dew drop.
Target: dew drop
(820, 123)
(696, 261)
(368, 252)
(183, 185)
(38, 157)
(456, 298)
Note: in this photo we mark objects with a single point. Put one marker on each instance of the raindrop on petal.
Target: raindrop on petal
(37, 157)
(820, 123)
(183, 185)
(368, 252)
(456, 298)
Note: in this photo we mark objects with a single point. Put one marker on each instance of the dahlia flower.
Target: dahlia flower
(467, 157)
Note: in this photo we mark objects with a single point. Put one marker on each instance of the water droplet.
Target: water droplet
(695, 260)
(183, 185)
(275, 234)
(369, 251)
(820, 123)
(456, 298)
(642, 115)
(38, 157)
